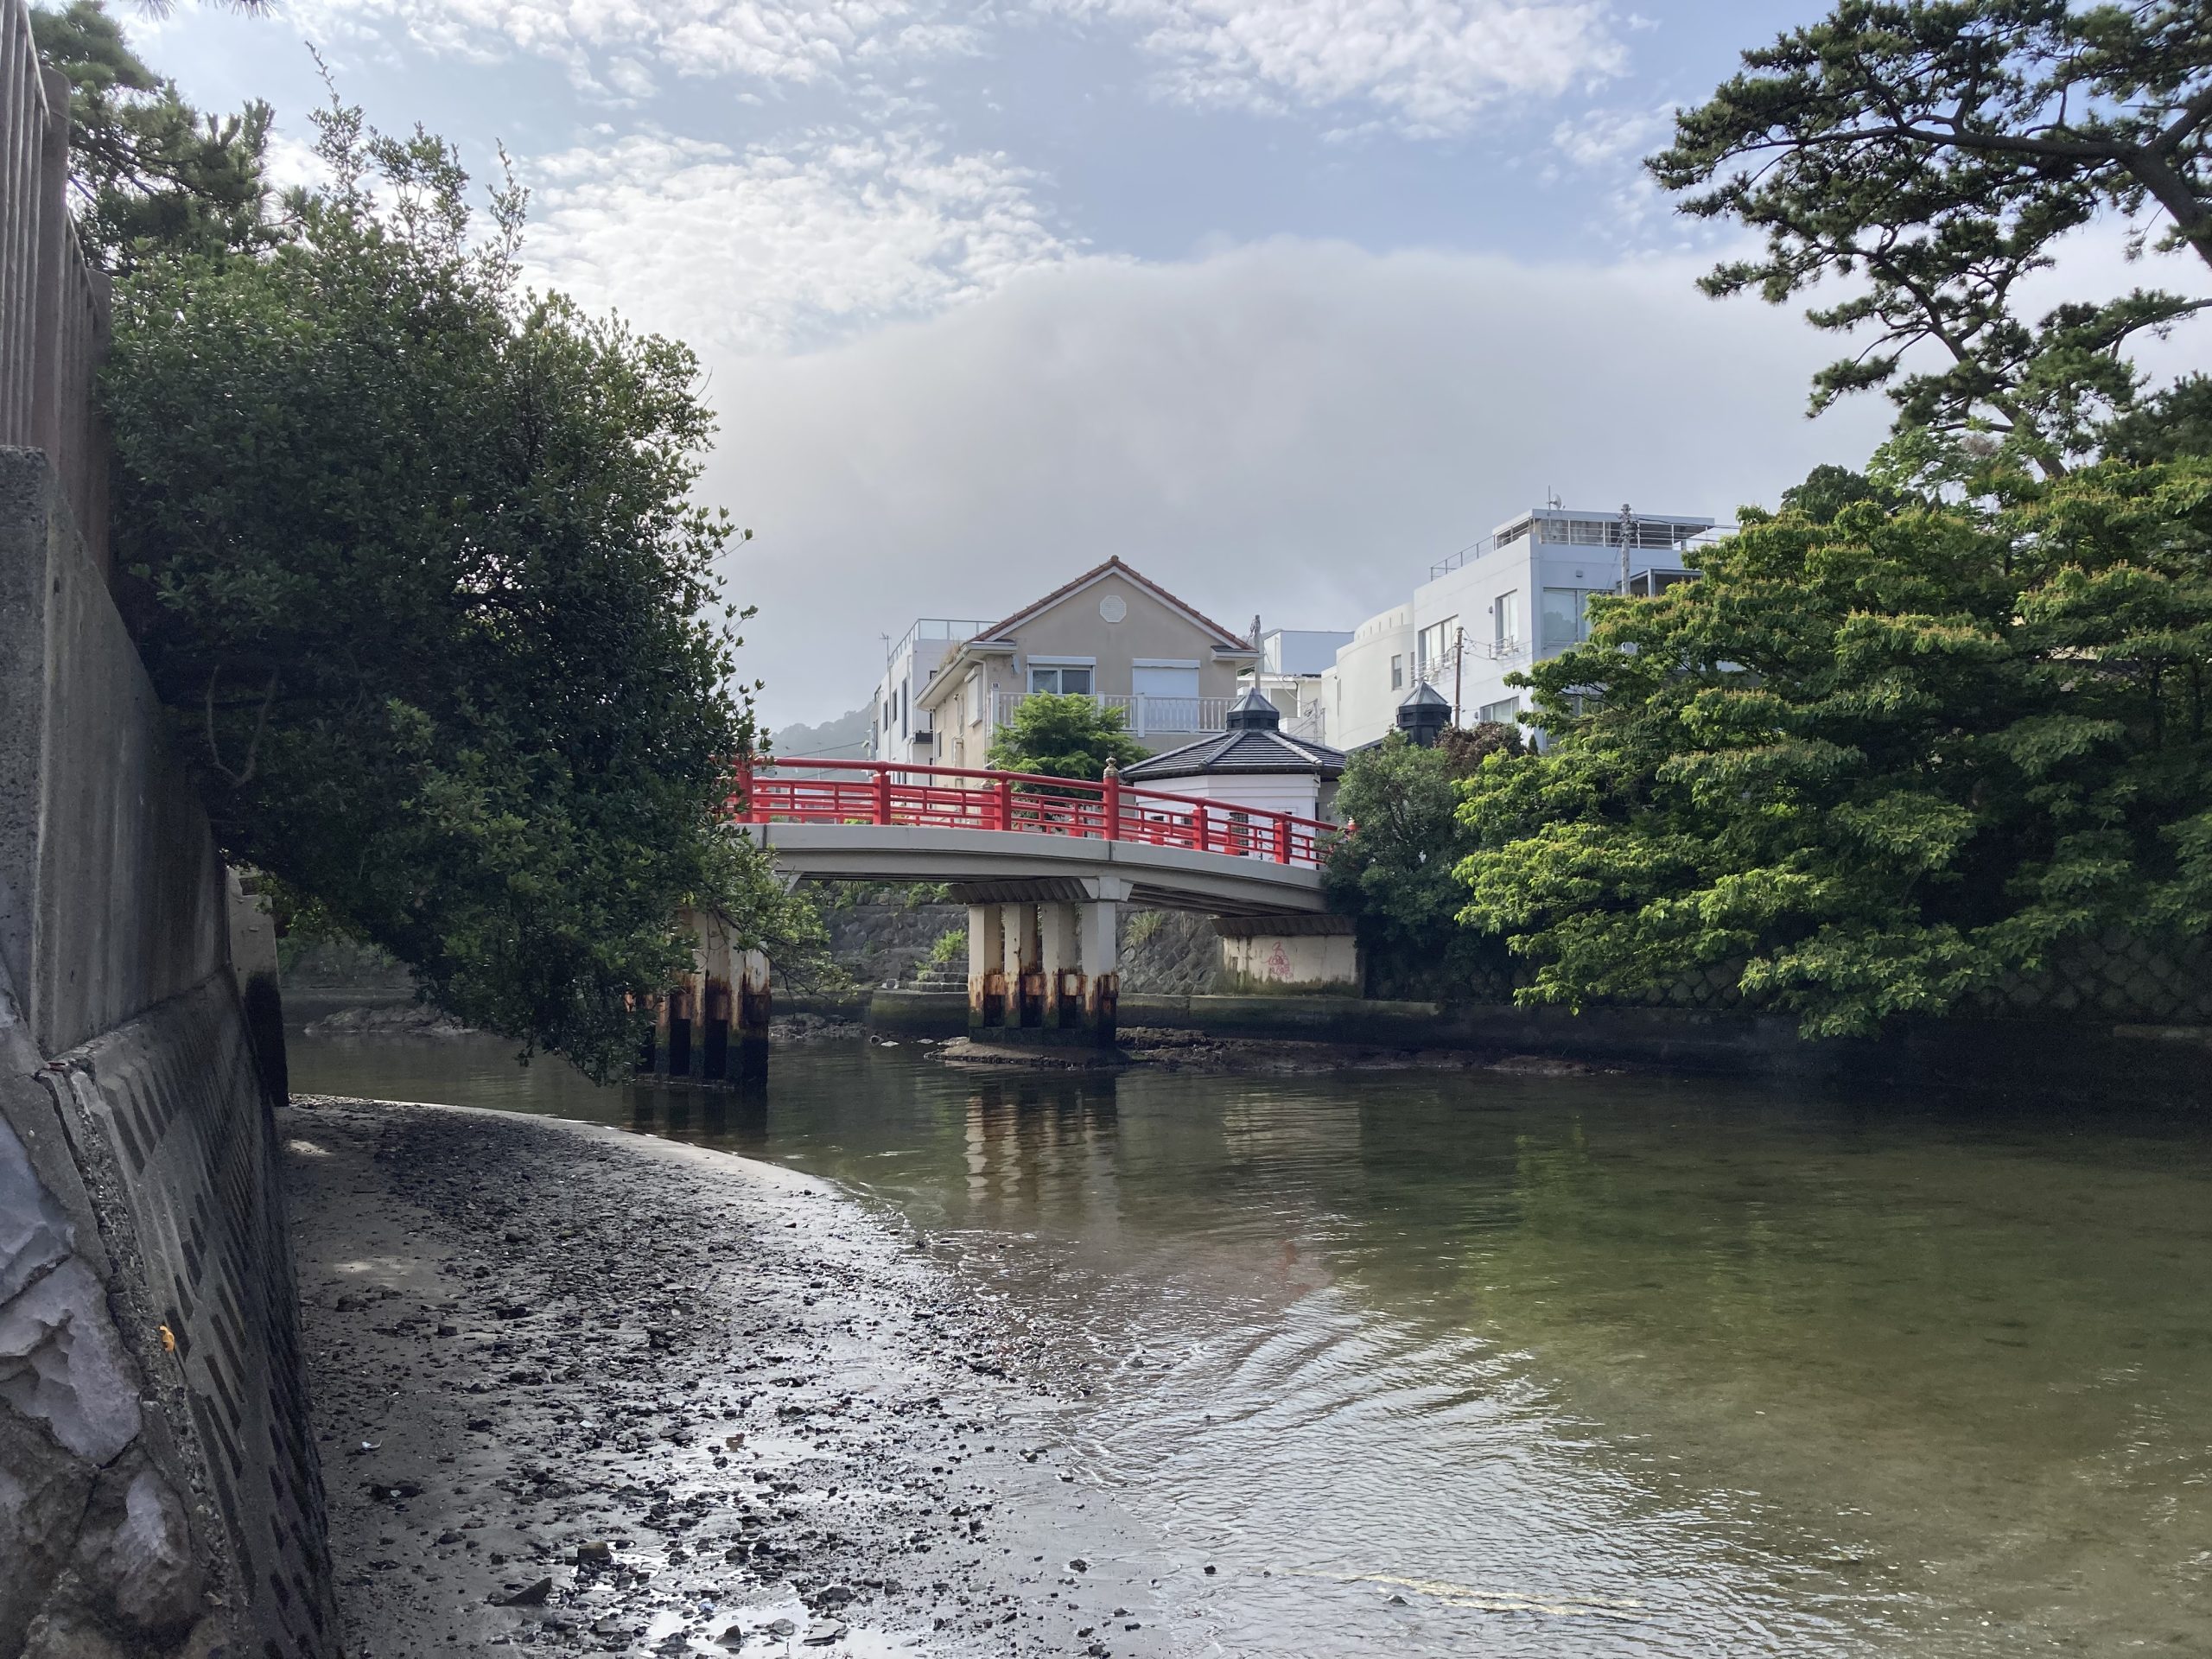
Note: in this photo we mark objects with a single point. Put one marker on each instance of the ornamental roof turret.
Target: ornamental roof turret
(1253, 745)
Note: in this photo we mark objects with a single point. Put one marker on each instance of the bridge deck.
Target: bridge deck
(1011, 866)
(1000, 836)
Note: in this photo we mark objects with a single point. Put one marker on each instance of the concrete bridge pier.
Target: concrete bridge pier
(1046, 969)
(711, 1026)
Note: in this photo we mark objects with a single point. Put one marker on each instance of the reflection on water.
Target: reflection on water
(1585, 1366)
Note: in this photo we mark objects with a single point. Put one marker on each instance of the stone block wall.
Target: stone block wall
(1169, 953)
(887, 940)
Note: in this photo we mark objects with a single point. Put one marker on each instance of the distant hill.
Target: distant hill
(842, 739)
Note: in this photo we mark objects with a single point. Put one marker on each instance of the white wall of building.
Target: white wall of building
(901, 729)
(1301, 793)
(1361, 690)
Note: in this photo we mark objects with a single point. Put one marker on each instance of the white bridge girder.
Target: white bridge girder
(1014, 867)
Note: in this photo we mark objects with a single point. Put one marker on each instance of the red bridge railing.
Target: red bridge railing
(958, 798)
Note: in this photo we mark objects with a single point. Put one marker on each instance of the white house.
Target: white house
(1254, 766)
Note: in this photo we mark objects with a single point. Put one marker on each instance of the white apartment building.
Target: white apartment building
(900, 729)
(1517, 596)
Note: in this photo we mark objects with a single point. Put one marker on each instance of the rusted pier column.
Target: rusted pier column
(750, 1039)
(986, 968)
(1098, 941)
(1061, 959)
(710, 1027)
(1025, 968)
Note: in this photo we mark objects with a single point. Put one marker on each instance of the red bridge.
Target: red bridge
(874, 792)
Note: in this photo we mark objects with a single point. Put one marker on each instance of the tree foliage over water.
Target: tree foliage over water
(1884, 760)
(418, 570)
(1916, 733)
(1398, 874)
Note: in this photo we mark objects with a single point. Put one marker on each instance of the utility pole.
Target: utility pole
(1458, 668)
(1628, 540)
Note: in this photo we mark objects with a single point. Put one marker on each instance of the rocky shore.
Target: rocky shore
(582, 1390)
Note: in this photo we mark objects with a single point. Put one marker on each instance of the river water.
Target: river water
(1478, 1363)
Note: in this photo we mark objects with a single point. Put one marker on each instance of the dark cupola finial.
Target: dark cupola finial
(1424, 714)
(1253, 713)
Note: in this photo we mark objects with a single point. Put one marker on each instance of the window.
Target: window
(1060, 679)
(1164, 682)
(1436, 642)
(1505, 620)
(902, 711)
(1566, 617)
(1397, 672)
(974, 697)
(1501, 713)
(1167, 697)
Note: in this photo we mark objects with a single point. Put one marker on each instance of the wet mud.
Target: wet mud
(582, 1390)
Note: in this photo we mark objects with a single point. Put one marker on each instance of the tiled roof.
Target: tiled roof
(1226, 638)
(1239, 752)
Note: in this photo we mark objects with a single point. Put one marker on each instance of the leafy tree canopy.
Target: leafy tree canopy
(417, 568)
(1063, 736)
(146, 169)
(1934, 152)
(1884, 761)
(1398, 875)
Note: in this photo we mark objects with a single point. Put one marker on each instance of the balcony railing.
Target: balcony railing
(1142, 714)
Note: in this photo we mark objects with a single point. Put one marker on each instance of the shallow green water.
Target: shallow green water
(1584, 1366)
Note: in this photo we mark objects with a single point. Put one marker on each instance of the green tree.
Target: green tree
(1884, 762)
(2176, 422)
(1070, 736)
(1933, 152)
(417, 566)
(146, 169)
(1396, 874)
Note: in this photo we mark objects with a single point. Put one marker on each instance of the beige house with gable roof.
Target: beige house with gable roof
(1112, 634)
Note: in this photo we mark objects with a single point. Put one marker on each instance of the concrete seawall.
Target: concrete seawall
(159, 1492)
(2089, 1063)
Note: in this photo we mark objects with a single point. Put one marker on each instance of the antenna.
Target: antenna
(1628, 540)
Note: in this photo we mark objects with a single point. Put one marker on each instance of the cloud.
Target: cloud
(1609, 138)
(1294, 428)
(788, 246)
(1426, 67)
(608, 44)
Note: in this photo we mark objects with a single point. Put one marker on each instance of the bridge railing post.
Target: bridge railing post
(1198, 835)
(1283, 837)
(1006, 803)
(1111, 802)
(883, 794)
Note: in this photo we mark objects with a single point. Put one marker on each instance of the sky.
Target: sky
(1281, 300)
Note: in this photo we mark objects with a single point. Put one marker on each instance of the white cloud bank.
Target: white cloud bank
(1422, 68)
(1425, 67)
(787, 246)
(609, 44)
(1295, 429)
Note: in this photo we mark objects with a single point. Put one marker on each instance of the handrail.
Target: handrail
(892, 792)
